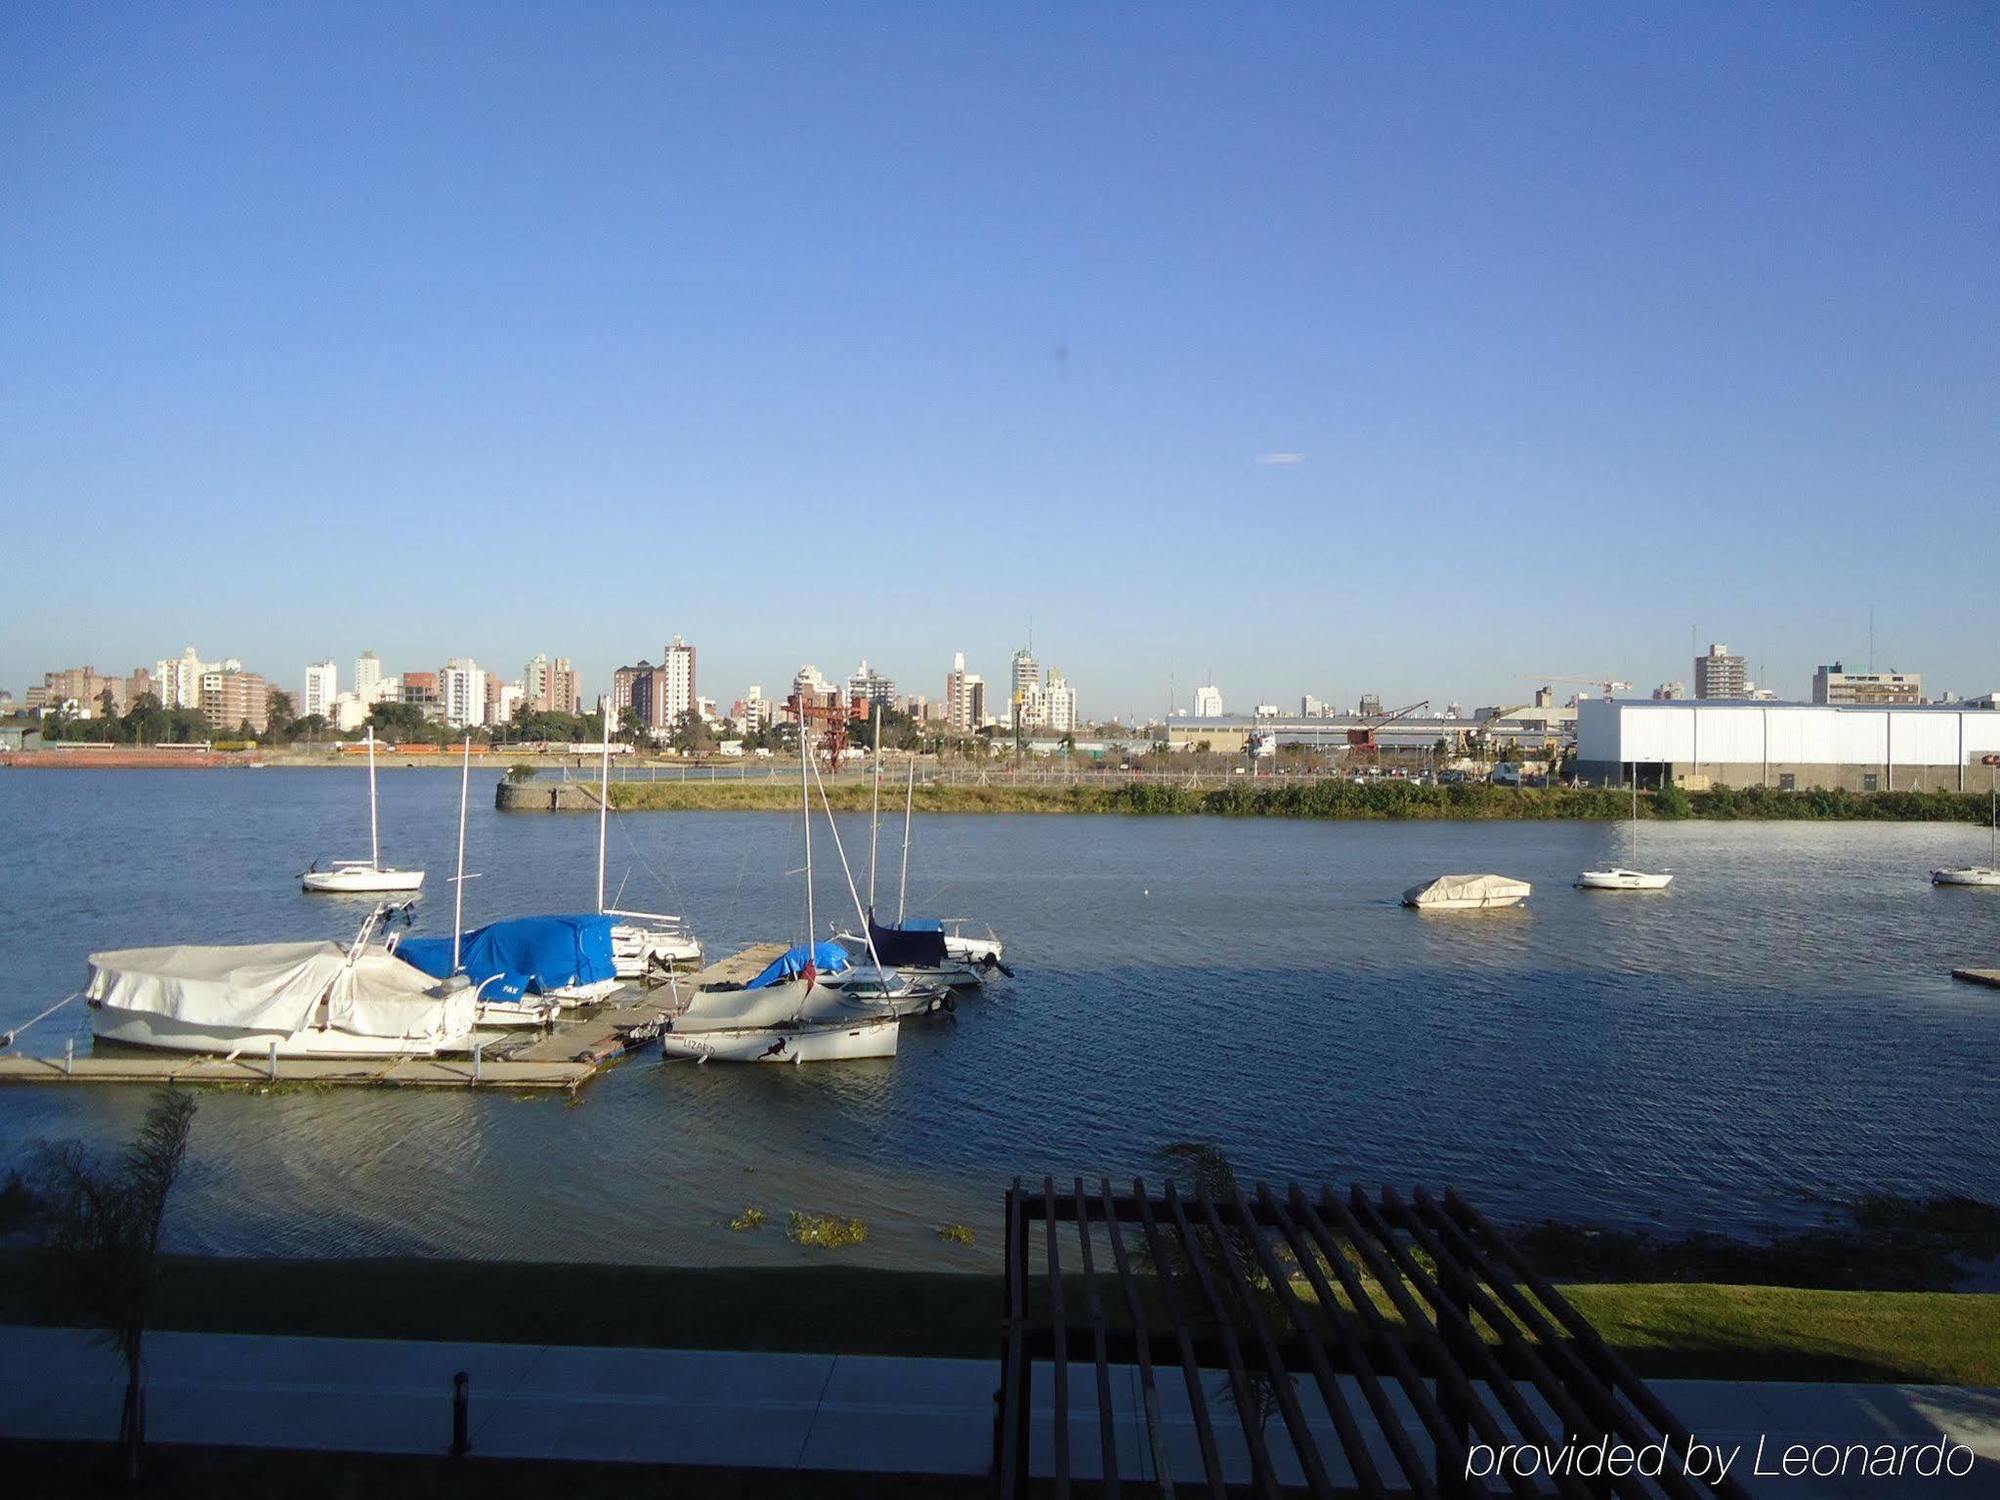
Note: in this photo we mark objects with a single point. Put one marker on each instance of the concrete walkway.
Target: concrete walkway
(806, 1411)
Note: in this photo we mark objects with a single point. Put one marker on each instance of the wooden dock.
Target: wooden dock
(565, 1057)
(1988, 977)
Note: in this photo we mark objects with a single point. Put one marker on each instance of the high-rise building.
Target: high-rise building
(179, 679)
(1668, 692)
(867, 687)
(1208, 701)
(138, 685)
(367, 677)
(462, 693)
(230, 698)
(322, 687)
(1370, 706)
(633, 688)
(420, 690)
(1059, 700)
(535, 684)
(676, 682)
(1719, 675)
(1311, 708)
(964, 696)
(1024, 692)
(1835, 684)
(85, 687)
(503, 699)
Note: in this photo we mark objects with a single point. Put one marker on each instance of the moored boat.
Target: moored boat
(362, 877)
(1467, 893)
(1621, 879)
(305, 999)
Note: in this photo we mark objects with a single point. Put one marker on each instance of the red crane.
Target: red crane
(1361, 741)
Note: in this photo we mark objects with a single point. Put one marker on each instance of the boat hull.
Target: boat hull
(163, 1033)
(639, 951)
(1622, 880)
(361, 882)
(843, 1041)
(1975, 875)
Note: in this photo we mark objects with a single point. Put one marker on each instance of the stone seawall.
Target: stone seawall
(545, 796)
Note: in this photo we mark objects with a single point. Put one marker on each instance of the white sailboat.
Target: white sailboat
(1987, 874)
(357, 877)
(279, 999)
(1620, 878)
(796, 1020)
(642, 942)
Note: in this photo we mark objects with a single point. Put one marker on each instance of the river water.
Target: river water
(1776, 1033)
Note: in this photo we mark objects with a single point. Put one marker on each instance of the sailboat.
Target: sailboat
(1619, 878)
(499, 1000)
(642, 942)
(938, 952)
(353, 877)
(784, 1015)
(1987, 874)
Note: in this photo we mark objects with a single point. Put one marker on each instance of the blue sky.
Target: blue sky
(814, 332)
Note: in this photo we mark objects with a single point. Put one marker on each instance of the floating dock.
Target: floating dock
(567, 1056)
(1988, 977)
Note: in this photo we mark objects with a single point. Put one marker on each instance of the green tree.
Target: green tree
(632, 729)
(691, 735)
(104, 1224)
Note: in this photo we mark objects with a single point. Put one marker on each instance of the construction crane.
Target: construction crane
(831, 712)
(1609, 686)
(1361, 741)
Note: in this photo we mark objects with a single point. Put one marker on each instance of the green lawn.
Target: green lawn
(1680, 1329)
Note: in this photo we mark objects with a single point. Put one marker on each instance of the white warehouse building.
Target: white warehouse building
(1788, 746)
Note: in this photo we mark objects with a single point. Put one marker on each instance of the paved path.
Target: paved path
(808, 1411)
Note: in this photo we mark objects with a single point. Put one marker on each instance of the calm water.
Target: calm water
(1776, 1032)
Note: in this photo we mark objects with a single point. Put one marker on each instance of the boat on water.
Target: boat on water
(538, 964)
(359, 877)
(786, 1014)
(1987, 874)
(1467, 893)
(308, 999)
(1619, 878)
(933, 951)
(643, 943)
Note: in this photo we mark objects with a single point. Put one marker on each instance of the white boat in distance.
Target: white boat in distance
(1619, 878)
(301, 999)
(362, 877)
(1987, 874)
(1467, 893)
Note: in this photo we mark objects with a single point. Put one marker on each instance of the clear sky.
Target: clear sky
(810, 332)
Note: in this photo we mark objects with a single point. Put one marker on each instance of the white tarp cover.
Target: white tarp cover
(1466, 890)
(774, 1005)
(277, 987)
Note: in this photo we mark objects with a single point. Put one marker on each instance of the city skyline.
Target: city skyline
(1279, 354)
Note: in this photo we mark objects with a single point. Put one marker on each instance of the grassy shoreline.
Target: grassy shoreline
(1672, 1330)
(1328, 799)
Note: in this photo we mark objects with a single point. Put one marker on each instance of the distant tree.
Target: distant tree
(632, 729)
(692, 735)
(104, 1225)
(145, 720)
(278, 716)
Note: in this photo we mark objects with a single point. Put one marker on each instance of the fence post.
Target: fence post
(69, 1057)
(461, 1402)
(274, 1062)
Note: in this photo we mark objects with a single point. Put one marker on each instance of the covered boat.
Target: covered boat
(1467, 893)
(823, 958)
(306, 999)
(564, 957)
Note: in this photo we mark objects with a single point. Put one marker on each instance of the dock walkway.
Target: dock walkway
(565, 1057)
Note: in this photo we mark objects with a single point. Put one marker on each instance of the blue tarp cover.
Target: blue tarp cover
(827, 958)
(524, 955)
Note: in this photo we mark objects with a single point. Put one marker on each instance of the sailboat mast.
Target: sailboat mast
(875, 814)
(903, 885)
(806, 810)
(458, 885)
(603, 796)
(374, 828)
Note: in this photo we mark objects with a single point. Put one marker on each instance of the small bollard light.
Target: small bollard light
(461, 1403)
(274, 1062)
(69, 1057)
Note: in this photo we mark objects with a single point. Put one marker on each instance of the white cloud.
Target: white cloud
(1284, 459)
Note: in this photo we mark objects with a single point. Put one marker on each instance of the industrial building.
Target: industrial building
(1787, 746)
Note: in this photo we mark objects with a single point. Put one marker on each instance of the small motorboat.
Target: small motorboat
(279, 999)
(362, 877)
(1622, 880)
(1467, 893)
